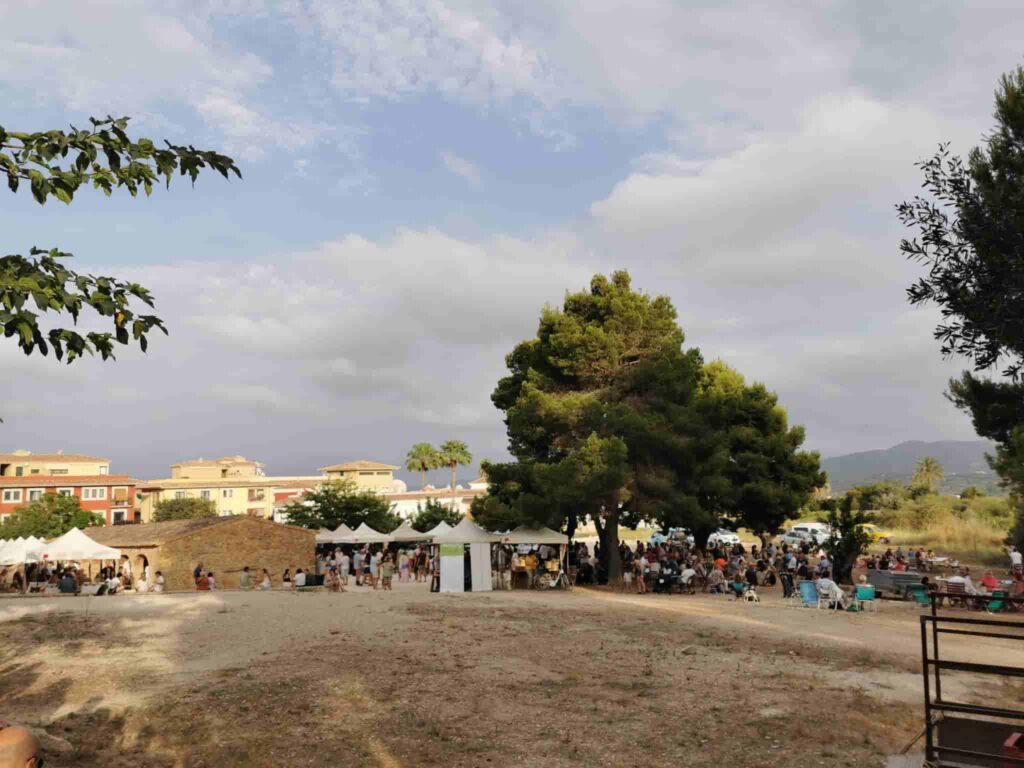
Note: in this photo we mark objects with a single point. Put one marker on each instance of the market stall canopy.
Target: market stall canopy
(324, 536)
(467, 532)
(18, 551)
(438, 529)
(524, 535)
(364, 534)
(75, 545)
(405, 532)
(341, 534)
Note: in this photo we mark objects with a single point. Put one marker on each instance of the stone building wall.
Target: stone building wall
(225, 549)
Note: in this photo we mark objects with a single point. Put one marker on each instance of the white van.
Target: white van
(818, 532)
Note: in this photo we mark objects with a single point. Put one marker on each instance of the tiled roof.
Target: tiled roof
(258, 481)
(70, 458)
(66, 481)
(352, 466)
(155, 534)
(221, 460)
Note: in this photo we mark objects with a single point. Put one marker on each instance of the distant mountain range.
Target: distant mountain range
(963, 461)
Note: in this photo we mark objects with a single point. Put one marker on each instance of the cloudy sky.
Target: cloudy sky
(422, 176)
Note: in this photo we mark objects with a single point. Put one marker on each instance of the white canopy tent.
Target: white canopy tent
(524, 535)
(323, 536)
(453, 574)
(438, 529)
(75, 545)
(364, 534)
(18, 551)
(405, 532)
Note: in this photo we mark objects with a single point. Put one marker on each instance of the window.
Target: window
(121, 495)
(384, 473)
(65, 491)
(257, 494)
(94, 494)
(58, 471)
(227, 493)
(19, 471)
(105, 469)
(205, 495)
(181, 494)
(34, 494)
(12, 495)
(366, 473)
(35, 472)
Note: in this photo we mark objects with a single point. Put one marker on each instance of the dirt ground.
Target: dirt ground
(409, 678)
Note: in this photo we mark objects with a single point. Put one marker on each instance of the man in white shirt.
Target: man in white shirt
(687, 576)
(829, 588)
(300, 578)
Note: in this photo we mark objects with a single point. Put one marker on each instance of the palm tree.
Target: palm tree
(452, 454)
(422, 458)
(928, 473)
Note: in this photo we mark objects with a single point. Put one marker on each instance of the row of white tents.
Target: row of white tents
(74, 545)
(452, 542)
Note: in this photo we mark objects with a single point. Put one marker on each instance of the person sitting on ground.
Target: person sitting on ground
(159, 583)
(68, 585)
(203, 583)
(141, 584)
(300, 578)
(286, 579)
(331, 581)
(245, 580)
(738, 585)
(211, 581)
(115, 584)
(265, 582)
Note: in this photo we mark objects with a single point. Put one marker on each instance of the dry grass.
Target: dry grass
(972, 541)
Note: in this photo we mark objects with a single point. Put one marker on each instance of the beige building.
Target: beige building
(26, 463)
(367, 475)
(236, 486)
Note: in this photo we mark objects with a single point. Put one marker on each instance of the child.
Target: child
(387, 571)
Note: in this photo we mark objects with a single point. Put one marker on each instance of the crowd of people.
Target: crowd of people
(72, 579)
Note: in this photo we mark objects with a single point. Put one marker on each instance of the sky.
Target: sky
(422, 177)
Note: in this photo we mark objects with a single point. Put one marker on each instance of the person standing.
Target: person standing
(357, 566)
(245, 580)
(343, 566)
(197, 572)
(387, 572)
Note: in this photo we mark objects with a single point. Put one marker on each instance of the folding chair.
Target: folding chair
(865, 597)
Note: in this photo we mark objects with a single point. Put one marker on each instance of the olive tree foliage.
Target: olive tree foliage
(56, 164)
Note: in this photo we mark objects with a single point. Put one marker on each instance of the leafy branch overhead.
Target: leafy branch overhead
(56, 164)
(31, 286)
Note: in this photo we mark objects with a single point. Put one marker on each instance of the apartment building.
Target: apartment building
(236, 486)
(26, 464)
(110, 496)
(367, 475)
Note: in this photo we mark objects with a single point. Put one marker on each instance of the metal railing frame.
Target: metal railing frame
(934, 708)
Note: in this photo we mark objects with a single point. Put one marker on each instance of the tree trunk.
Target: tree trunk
(423, 479)
(609, 537)
(454, 465)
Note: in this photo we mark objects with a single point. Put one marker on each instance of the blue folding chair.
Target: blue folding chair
(808, 594)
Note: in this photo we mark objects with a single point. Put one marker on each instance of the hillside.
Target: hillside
(963, 460)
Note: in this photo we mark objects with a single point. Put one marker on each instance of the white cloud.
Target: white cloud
(460, 166)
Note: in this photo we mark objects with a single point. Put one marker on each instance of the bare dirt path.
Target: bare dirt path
(410, 678)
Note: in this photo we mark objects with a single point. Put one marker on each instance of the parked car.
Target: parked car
(819, 532)
(681, 534)
(723, 537)
(797, 539)
(877, 534)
